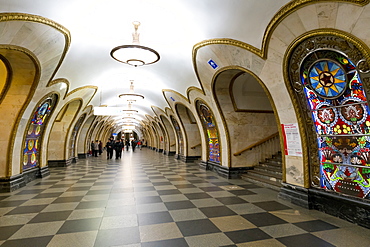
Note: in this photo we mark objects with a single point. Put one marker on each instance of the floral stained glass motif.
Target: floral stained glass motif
(180, 140)
(212, 132)
(339, 109)
(35, 130)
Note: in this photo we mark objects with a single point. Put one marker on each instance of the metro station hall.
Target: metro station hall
(184, 123)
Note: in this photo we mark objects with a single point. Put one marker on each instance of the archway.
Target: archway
(251, 126)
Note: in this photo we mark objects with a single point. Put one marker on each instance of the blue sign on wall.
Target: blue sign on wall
(212, 64)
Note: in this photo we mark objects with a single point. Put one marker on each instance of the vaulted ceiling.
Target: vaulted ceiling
(170, 27)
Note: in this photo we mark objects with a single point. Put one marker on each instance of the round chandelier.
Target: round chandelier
(135, 54)
(131, 96)
(129, 109)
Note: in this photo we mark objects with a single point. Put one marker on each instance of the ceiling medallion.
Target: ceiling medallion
(131, 96)
(135, 54)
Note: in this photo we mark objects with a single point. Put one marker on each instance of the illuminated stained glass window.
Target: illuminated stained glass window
(211, 131)
(180, 140)
(31, 151)
(339, 109)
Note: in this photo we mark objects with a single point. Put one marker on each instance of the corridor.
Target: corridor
(149, 199)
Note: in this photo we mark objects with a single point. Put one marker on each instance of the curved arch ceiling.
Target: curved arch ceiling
(170, 27)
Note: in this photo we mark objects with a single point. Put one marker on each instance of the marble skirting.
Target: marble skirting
(226, 172)
(82, 156)
(18, 181)
(354, 210)
(169, 153)
(189, 159)
(60, 163)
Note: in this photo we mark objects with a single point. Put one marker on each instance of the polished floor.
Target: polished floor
(148, 199)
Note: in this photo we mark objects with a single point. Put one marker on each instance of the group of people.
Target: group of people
(96, 148)
(116, 145)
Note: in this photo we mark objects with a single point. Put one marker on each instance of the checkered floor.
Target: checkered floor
(148, 199)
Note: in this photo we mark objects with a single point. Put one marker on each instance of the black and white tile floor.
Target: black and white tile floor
(148, 199)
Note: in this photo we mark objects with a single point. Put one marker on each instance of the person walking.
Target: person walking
(118, 148)
(100, 148)
(133, 144)
(91, 152)
(109, 146)
(127, 144)
(96, 148)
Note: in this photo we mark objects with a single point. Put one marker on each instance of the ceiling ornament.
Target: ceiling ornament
(135, 54)
(131, 97)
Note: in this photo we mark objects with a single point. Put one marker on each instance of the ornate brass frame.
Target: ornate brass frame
(338, 40)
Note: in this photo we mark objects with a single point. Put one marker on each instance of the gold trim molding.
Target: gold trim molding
(8, 16)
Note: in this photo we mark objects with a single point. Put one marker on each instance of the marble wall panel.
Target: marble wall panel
(294, 170)
(283, 33)
(257, 64)
(9, 30)
(276, 45)
(294, 23)
(327, 14)
(347, 16)
(308, 16)
(362, 30)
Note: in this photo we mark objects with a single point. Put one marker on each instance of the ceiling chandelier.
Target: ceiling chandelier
(129, 109)
(135, 54)
(131, 96)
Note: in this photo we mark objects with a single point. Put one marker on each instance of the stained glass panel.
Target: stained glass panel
(34, 133)
(339, 109)
(211, 130)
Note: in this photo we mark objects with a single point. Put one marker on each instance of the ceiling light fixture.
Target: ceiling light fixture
(135, 54)
(131, 96)
(129, 109)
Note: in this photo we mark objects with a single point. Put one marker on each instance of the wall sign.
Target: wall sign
(292, 139)
(212, 64)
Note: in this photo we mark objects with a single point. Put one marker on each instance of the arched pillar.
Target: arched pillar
(171, 144)
(82, 144)
(58, 145)
(193, 141)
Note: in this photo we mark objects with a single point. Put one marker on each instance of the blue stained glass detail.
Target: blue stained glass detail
(327, 79)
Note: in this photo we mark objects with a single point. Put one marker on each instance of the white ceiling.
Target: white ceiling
(172, 27)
